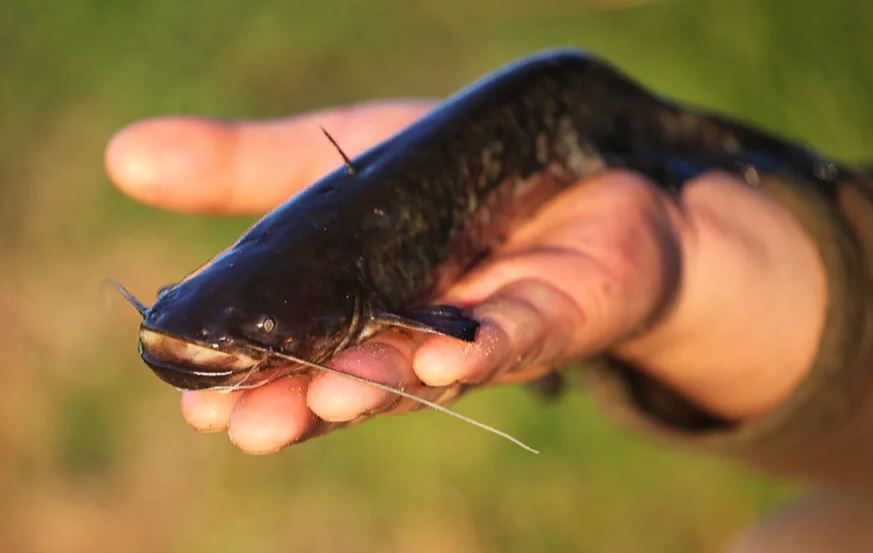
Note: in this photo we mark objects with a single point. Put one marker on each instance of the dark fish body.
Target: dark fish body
(360, 250)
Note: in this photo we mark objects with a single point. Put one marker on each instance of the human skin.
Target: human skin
(720, 295)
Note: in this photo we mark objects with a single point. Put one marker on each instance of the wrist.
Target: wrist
(745, 325)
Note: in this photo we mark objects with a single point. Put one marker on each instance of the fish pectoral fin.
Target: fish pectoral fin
(447, 320)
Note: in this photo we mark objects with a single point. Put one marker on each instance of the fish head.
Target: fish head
(221, 327)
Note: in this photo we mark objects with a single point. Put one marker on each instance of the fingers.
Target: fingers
(258, 421)
(206, 165)
(208, 411)
(268, 418)
(386, 359)
(537, 319)
(527, 322)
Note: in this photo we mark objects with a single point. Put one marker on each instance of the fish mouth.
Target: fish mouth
(191, 365)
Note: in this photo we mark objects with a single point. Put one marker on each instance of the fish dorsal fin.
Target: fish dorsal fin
(350, 167)
(447, 320)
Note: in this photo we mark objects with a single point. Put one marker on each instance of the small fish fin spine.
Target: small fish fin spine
(447, 320)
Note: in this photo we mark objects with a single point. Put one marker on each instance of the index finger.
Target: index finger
(196, 164)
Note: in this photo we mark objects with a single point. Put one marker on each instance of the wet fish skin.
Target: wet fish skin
(427, 204)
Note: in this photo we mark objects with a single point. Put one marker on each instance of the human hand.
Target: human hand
(721, 296)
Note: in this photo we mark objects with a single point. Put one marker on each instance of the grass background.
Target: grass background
(93, 456)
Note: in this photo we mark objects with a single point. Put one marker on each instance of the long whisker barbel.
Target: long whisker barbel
(239, 385)
(402, 393)
(138, 305)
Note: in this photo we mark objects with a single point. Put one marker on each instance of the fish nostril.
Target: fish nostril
(223, 342)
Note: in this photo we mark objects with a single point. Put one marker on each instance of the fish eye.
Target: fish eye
(267, 324)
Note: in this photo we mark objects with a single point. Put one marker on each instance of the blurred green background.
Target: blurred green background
(93, 456)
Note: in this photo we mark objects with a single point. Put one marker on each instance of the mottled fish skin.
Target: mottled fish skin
(425, 205)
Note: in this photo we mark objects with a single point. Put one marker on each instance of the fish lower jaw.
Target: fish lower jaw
(192, 366)
(199, 357)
